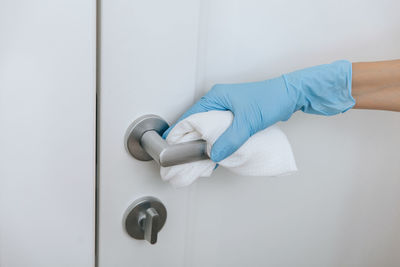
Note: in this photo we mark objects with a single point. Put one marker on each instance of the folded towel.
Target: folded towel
(266, 153)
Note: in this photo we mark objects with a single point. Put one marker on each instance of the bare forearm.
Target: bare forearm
(376, 85)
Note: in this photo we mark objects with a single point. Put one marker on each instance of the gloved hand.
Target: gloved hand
(323, 89)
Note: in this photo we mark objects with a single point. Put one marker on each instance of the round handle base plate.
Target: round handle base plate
(136, 131)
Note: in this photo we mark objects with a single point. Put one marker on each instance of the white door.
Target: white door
(47, 133)
(340, 209)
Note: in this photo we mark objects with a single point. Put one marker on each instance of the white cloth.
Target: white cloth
(266, 153)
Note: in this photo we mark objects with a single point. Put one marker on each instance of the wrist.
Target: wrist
(323, 89)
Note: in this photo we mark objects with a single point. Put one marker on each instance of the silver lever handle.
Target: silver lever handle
(144, 142)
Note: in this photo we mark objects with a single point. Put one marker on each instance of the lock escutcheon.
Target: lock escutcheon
(145, 218)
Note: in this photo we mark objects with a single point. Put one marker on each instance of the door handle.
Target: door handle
(144, 141)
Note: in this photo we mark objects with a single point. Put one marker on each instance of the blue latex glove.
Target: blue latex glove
(324, 90)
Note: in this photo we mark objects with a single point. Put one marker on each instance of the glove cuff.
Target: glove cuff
(323, 89)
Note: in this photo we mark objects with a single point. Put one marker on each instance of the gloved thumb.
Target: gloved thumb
(235, 136)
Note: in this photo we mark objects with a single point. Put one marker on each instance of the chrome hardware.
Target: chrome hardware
(145, 218)
(144, 142)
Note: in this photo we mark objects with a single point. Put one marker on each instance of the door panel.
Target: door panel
(47, 133)
(340, 209)
(148, 59)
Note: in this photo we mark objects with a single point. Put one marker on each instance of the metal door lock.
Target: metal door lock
(145, 218)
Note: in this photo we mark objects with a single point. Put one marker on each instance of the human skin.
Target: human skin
(376, 85)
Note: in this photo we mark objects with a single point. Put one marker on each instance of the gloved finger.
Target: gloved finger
(235, 136)
(202, 105)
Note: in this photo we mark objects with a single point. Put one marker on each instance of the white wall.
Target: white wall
(47, 132)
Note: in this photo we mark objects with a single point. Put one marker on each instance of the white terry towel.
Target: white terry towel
(266, 153)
